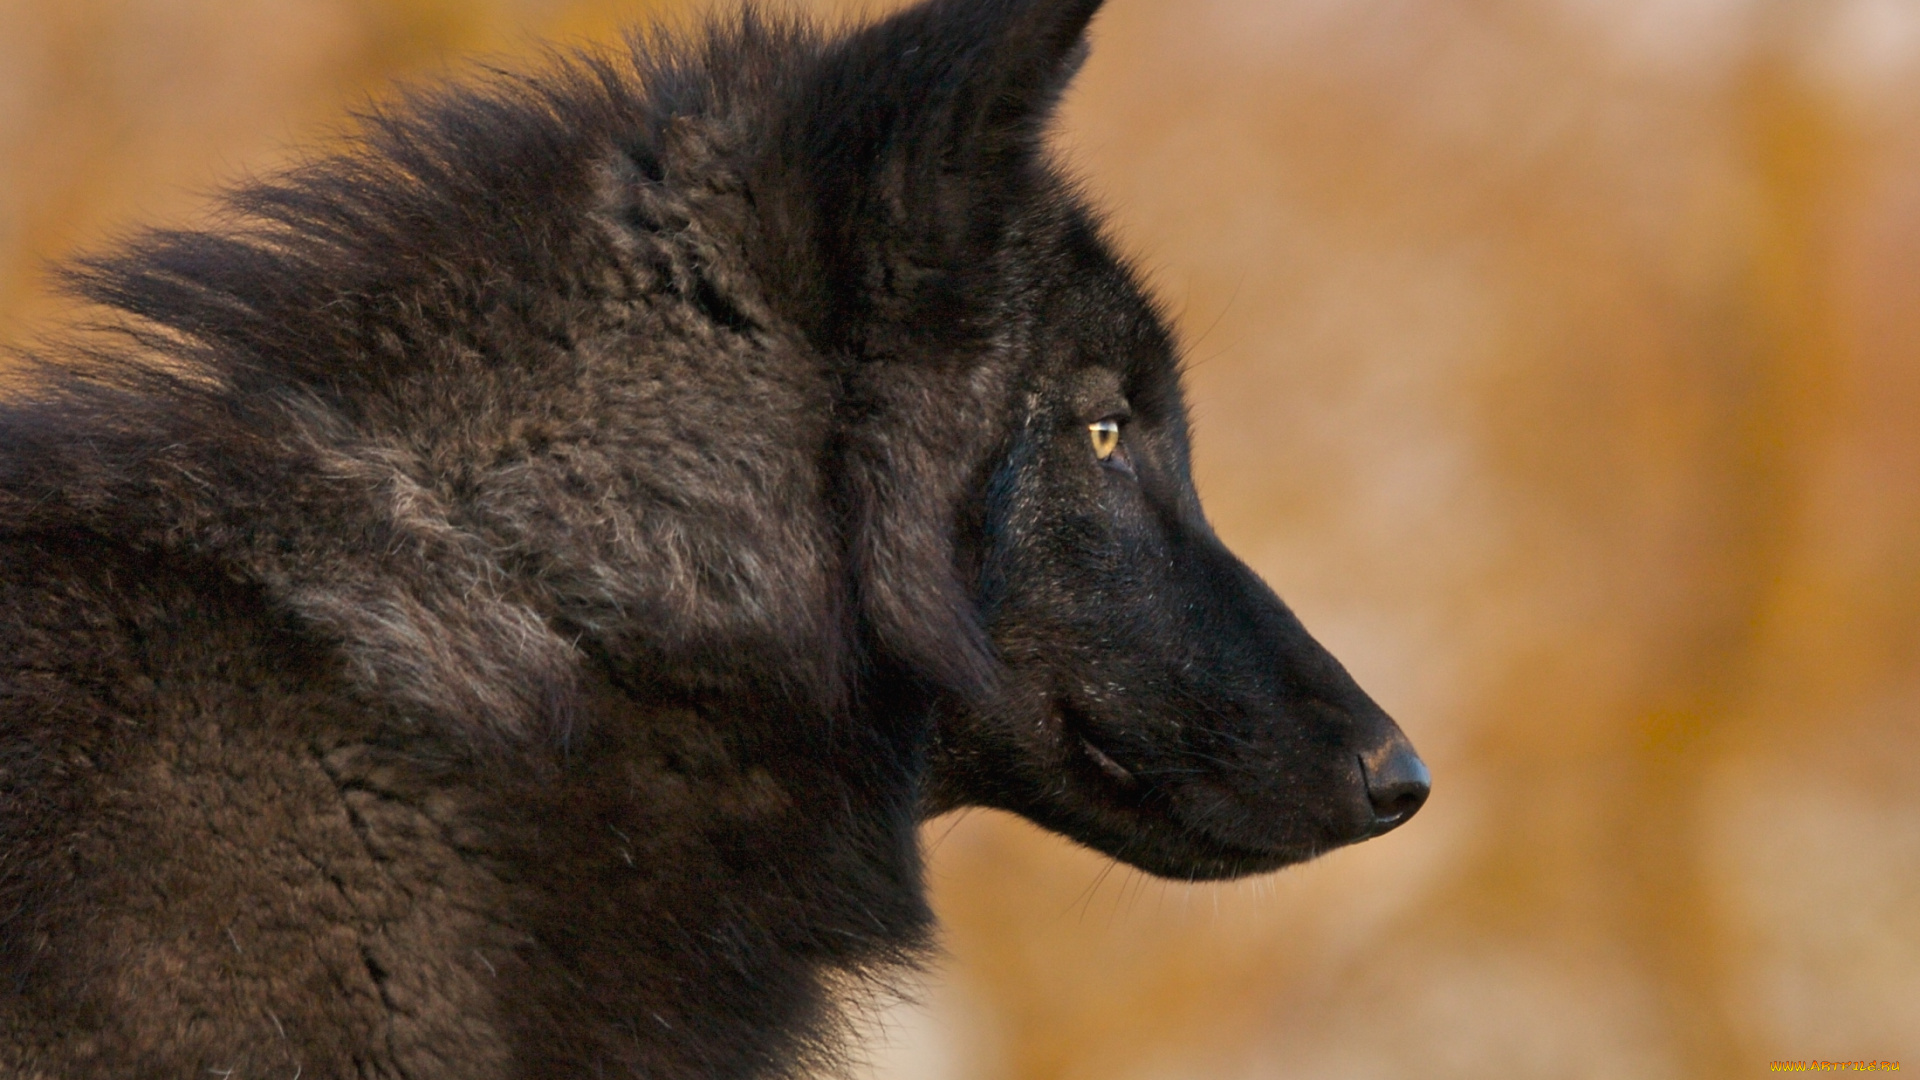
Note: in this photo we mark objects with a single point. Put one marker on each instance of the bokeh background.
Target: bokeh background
(1559, 361)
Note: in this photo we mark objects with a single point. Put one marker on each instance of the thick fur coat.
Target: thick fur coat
(499, 604)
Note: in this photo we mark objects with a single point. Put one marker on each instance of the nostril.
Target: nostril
(1398, 801)
(1397, 782)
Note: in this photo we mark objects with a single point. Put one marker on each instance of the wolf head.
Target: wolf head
(1030, 535)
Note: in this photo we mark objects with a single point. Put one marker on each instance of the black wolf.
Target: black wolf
(499, 604)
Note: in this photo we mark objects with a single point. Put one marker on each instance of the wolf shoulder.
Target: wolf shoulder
(209, 862)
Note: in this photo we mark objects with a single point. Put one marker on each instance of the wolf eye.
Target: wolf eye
(1106, 437)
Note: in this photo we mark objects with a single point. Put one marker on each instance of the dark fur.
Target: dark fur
(500, 604)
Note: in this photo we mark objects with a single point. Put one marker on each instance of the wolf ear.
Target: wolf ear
(902, 154)
(964, 86)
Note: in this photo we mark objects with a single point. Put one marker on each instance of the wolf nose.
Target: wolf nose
(1397, 782)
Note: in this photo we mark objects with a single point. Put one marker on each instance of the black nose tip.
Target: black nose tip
(1397, 782)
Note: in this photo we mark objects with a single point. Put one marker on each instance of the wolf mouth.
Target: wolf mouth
(1076, 730)
(1116, 791)
(1119, 773)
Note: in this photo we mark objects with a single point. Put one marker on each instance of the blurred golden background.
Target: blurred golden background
(1558, 360)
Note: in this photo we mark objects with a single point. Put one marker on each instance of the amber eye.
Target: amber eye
(1106, 437)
